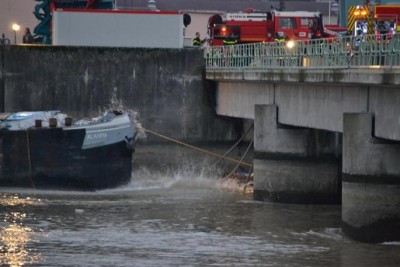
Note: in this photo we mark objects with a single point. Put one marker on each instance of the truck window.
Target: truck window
(287, 23)
(222, 31)
(305, 23)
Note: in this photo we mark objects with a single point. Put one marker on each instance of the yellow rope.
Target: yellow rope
(199, 149)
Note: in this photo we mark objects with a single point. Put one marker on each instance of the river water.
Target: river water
(180, 219)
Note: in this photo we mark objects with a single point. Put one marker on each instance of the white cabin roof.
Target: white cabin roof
(258, 16)
(241, 16)
(303, 14)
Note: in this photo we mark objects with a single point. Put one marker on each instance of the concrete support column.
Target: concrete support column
(371, 182)
(287, 164)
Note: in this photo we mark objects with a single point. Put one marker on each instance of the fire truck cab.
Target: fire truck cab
(387, 19)
(254, 26)
(360, 21)
(378, 19)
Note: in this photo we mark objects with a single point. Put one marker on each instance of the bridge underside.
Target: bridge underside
(325, 143)
(314, 105)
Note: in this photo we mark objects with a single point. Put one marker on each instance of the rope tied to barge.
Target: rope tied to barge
(239, 162)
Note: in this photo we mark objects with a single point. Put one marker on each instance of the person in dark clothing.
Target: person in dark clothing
(280, 37)
(231, 40)
(27, 38)
(197, 41)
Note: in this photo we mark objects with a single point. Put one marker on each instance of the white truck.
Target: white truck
(118, 28)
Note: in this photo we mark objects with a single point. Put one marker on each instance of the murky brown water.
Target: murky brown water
(180, 219)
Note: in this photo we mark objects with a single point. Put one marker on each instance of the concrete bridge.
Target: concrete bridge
(327, 124)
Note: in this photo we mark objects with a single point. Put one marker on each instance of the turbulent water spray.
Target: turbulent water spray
(117, 104)
(186, 174)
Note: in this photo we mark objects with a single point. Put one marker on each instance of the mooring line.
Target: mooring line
(197, 148)
(236, 144)
(29, 158)
(244, 155)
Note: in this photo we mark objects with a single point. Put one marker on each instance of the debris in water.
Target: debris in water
(243, 181)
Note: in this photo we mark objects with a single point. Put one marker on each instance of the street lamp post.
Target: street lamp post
(329, 12)
(332, 7)
(15, 28)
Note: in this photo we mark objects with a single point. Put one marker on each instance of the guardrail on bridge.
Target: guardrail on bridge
(337, 53)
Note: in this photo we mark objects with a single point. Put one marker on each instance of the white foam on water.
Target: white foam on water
(393, 243)
(326, 233)
(185, 176)
(230, 185)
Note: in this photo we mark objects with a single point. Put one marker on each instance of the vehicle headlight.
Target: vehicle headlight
(290, 44)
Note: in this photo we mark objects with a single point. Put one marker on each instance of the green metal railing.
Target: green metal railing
(337, 53)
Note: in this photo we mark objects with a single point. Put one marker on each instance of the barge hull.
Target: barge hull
(47, 158)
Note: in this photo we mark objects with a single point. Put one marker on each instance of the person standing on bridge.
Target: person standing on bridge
(230, 57)
(197, 41)
(230, 40)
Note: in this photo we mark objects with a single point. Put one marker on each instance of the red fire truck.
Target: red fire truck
(378, 19)
(254, 26)
(387, 19)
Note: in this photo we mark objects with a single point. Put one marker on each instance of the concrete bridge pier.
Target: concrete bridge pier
(289, 165)
(371, 182)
